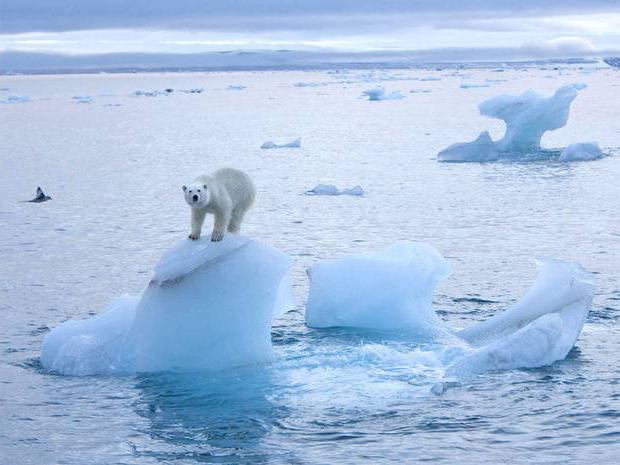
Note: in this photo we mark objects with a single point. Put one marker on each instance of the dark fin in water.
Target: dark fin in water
(41, 197)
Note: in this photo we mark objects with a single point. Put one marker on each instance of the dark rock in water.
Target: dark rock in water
(612, 61)
(41, 197)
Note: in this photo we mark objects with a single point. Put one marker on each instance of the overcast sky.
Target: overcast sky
(563, 28)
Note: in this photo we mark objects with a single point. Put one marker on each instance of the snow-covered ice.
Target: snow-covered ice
(378, 93)
(581, 152)
(330, 189)
(481, 150)
(391, 289)
(209, 306)
(529, 116)
(290, 145)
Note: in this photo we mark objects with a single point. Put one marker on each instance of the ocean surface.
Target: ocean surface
(114, 169)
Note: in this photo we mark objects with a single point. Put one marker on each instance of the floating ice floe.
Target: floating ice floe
(420, 91)
(82, 99)
(311, 84)
(469, 85)
(329, 189)
(387, 290)
(581, 152)
(430, 78)
(16, 99)
(196, 90)
(481, 150)
(291, 145)
(393, 289)
(527, 117)
(150, 93)
(378, 93)
(236, 87)
(540, 329)
(194, 315)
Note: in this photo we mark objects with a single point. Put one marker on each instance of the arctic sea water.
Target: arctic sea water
(113, 165)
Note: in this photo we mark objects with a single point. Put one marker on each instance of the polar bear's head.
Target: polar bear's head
(196, 195)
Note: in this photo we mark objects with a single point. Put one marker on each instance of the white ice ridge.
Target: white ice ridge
(291, 145)
(529, 116)
(391, 289)
(540, 329)
(209, 306)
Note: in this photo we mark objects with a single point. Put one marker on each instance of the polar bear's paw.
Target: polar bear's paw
(217, 236)
(194, 237)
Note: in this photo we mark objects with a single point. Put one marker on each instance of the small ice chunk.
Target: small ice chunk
(529, 116)
(291, 145)
(16, 99)
(391, 289)
(236, 87)
(581, 152)
(468, 85)
(323, 189)
(430, 78)
(82, 99)
(378, 93)
(481, 150)
(330, 189)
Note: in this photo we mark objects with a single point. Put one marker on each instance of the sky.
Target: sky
(562, 28)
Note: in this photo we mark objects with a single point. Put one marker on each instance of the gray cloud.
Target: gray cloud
(361, 16)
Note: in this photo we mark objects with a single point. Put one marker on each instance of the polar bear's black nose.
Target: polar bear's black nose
(195, 197)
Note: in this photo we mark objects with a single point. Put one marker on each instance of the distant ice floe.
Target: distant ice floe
(191, 317)
(378, 93)
(469, 85)
(153, 93)
(393, 289)
(290, 145)
(16, 99)
(82, 99)
(329, 189)
(430, 78)
(195, 90)
(527, 117)
(581, 152)
(420, 91)
(236, 87)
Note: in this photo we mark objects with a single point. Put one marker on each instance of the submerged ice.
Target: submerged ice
(209, 306)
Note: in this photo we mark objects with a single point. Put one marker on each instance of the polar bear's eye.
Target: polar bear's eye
(198, 190)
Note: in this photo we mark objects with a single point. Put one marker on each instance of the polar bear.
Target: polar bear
(228, 194)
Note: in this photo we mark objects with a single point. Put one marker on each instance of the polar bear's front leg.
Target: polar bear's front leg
(198, 217)
(219, 226)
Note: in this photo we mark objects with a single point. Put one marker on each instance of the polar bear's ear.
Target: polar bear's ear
(184, 187)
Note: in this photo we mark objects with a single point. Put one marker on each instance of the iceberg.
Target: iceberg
(378, 93)
(291, 145)
(540, 329)
(387, 290)
(330, 189)
(581, 152)
(481, 150)
(529, 116)
(209, 306)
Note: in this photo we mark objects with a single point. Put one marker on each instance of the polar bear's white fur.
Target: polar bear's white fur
(228, 194)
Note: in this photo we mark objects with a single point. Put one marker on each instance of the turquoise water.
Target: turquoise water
(331, 396)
